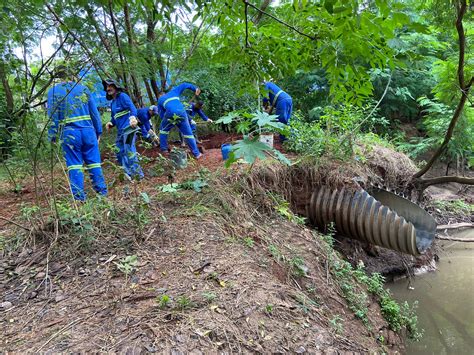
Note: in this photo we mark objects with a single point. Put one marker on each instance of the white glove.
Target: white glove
(108, 125)
(152, 134)
(209, 120)
(133, 121)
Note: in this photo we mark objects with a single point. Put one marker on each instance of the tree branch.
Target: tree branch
(194, 44)
(119, 47)
(16, 224)
(280, 21)
(247, 44)
(83, 46)
(444, 179)
(455, 239)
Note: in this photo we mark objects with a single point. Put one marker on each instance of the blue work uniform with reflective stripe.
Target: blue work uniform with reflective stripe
(143, 115)
(121, 109)
(192, 111)
(76, 121)
(173, 113)
(282, 103)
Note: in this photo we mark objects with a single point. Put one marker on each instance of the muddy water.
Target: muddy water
(445, 301)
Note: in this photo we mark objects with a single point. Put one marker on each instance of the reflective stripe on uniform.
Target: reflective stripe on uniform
(76, 119)
(276, 97)
(92, 166)
(188, 137)
(120, 114)
(164, 132)
(74, 167)
(170, 99)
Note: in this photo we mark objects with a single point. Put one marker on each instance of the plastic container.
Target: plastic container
(267, 139)
(179, 158)
(225, 149)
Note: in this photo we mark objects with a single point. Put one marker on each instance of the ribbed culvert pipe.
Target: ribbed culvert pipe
(380, 218)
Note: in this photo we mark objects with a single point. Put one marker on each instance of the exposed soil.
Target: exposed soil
(211, 253)
(214, 254)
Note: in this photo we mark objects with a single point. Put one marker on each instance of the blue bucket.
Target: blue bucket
(225, 149)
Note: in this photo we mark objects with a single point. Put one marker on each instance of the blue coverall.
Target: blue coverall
(76, 121)
(143, 115)
(122, 108)
(192, 111)
(173, 113)
(282, 103)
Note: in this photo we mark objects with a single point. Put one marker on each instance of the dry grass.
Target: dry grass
(224, 258)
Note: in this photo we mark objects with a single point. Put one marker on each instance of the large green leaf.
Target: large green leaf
(266, 122)
(229, 118)
(281, 157)
(250, 149)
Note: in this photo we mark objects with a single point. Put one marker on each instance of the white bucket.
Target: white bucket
(267, 139)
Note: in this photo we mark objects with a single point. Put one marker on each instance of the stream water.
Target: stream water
(445, 301)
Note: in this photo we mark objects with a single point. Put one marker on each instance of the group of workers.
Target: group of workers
(75, 121)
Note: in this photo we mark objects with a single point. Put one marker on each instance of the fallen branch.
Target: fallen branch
(70, 325)
(16, 224)
(455, 226)
(468, 240)
(424, 183)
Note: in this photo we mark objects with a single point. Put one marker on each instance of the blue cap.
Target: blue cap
(153, 109)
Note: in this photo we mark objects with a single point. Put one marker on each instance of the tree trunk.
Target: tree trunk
(258, 16)
(104, 40)
(119, 46)
(6, 87)
(148, 91)
(128, 28)
(161, 69)
(155, 88)
(150, 59)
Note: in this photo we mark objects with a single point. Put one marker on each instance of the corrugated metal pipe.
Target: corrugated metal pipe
(380, 218)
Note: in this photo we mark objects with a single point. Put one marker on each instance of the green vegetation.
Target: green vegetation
(163, 301)
(362, 74)
(458, 207)
(128, 264)
(357, 286)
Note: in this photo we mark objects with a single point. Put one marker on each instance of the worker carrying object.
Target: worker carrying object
(173, 113)
(123, 116)
(76, 124)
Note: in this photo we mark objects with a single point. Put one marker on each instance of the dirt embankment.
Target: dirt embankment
(216, 271)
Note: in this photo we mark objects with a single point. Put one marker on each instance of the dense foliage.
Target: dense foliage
(352, 67)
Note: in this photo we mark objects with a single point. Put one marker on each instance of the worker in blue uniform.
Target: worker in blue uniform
(281, 102)
(144, 116)
(75, 122)
(195, 108)
(173, 113)
(123, 116)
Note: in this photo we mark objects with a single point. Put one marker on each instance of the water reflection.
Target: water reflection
(446, 301)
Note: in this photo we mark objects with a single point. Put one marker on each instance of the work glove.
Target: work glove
(109, 125)
(197, 92)
(152, 135)
(133, 121)
(209, 120)
(154, 138)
